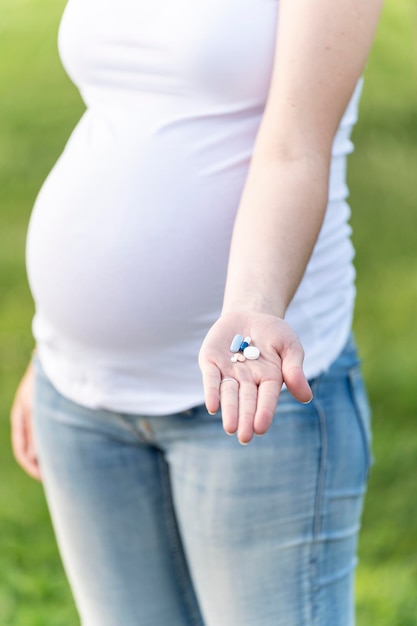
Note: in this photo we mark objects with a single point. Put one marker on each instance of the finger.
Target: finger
(298, 385)
(23, 448)
(293, 374)
(229, 400)
(29, 463)
(268, 393)
(31, 454)
(211, 384)
(18, 432)
(248, 394)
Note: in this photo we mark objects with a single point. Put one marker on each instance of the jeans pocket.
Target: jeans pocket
(363, 413)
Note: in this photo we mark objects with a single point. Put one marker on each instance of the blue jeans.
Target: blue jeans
(167, 521)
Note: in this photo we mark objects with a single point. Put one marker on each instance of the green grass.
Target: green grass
(384, 201)
(38, 108)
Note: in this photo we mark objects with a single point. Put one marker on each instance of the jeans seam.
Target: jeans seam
(183, 577)
(366, 437)
(318, 506)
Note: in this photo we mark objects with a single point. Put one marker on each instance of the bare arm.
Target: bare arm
(321, 51)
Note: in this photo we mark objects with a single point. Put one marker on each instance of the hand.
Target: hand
(248, 405)
(21, 421)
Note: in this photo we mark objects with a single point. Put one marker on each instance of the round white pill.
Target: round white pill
(252, 353)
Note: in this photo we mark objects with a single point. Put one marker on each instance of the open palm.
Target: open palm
(249, 395)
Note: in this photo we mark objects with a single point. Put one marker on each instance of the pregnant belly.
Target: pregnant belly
(123, 251)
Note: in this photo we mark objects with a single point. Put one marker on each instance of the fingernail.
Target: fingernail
(308, 401)
(211, 412)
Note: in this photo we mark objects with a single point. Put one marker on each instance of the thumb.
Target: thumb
(293, 373)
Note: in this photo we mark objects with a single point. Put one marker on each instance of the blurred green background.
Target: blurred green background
(38, 108)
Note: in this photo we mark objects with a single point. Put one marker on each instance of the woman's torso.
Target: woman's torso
(128, 241)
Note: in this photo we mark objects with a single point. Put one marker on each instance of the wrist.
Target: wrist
(263, 290)
(254, 304)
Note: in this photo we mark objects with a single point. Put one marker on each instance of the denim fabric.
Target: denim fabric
(167, 521)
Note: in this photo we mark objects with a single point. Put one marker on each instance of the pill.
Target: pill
(251, 353)
(243, 345)
(236, 343)
(234, 358)
(240, 357)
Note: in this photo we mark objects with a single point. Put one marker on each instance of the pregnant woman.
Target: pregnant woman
(190, 261)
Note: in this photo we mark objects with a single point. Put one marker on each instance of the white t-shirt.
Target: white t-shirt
(129, 237)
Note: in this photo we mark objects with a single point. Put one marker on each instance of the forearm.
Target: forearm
(321, 51)
(278, 222)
